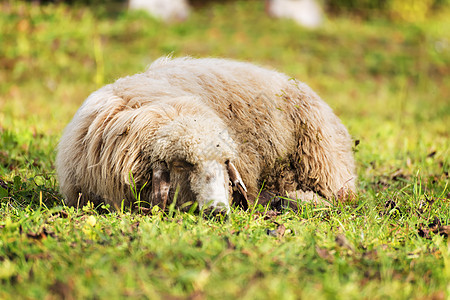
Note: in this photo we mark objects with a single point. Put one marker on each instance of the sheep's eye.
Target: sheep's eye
(181, 165)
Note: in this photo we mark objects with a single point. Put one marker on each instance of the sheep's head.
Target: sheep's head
(195, 156)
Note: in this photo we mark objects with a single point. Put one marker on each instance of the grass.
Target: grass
(388, 82)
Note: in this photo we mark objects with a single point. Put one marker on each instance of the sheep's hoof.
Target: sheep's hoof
(346, 195)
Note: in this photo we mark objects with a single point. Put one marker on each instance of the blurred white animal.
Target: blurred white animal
(166, 10)
(307, 13)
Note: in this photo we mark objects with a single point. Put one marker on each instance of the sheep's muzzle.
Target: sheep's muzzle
(209, 183)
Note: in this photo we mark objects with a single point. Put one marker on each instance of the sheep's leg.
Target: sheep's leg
(160, 185)
(292, 200)
(303, 197)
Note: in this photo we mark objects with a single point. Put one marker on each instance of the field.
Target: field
(388, 82)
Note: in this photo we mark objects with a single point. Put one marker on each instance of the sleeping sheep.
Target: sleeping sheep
(206, 131)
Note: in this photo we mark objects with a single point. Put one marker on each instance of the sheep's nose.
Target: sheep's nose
(218, 210)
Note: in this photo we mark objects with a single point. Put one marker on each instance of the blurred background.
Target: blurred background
(382, 65)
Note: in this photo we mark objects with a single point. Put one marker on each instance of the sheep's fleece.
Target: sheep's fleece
(209, 131)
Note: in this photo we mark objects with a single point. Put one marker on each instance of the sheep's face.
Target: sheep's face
(196, 152)
(209, 183)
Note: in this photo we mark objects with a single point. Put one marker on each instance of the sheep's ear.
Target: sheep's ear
(160, 184)
(239, 197)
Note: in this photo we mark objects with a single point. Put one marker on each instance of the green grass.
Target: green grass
(388, 82)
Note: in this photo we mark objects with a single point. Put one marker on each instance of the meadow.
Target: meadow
(388, 81)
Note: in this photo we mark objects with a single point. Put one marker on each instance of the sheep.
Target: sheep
(306, 13)
(207, 131)
(173, 10)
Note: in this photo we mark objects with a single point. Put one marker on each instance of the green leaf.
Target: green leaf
(3, 192)
(17, 182)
